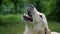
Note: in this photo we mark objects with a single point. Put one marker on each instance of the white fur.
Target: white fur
(38, 26)
(55, 33)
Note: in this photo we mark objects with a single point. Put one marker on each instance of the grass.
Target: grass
(18, 28)
(10, 18)
(11, 24)
(12, 29)
(54, 26)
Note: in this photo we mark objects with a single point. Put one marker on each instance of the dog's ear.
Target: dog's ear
(39, 32)
(45, 31)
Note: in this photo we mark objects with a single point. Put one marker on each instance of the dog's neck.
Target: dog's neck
(29, 24)
(32, 26)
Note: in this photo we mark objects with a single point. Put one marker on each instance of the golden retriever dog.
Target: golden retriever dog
(36, 22)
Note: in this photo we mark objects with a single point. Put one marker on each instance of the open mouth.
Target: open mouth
(28, 16)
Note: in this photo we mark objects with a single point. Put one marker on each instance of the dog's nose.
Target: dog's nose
(31, 6)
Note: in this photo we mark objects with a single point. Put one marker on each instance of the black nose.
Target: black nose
(31, 6)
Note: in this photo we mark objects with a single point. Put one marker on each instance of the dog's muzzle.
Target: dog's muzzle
(28, 16)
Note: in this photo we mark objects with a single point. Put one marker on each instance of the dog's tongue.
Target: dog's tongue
(27, 16)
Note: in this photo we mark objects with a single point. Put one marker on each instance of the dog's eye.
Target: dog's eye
(41, 16)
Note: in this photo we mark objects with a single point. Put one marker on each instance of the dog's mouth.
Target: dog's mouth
(28, 16)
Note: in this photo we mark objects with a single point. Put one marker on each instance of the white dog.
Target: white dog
(36, 22)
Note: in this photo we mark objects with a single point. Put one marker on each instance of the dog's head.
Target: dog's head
(33, 15)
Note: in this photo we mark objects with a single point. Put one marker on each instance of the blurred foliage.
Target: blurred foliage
(51, 8)
(55, 14)
(10, 19)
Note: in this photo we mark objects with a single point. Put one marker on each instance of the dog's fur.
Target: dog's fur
(36, 22)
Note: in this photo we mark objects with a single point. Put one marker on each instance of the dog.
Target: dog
(36, 22)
